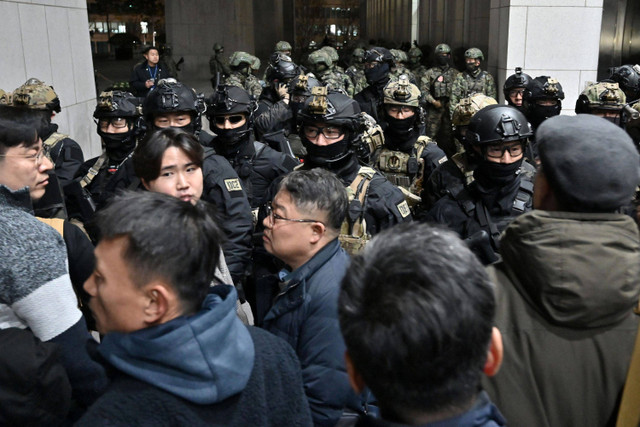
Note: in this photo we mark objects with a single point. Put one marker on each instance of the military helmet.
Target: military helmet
(415, 52)
(255, 64)
(397, 55)
(474, 53)
(402, 92)
(217, 47)
(283, 46)
(116, 103)
(468, 107)
(302, 84)
(497, 123)
(333, 108)
(358, 53)
(628, 77)
(5, 98)
(543, 87)
(239, 58)
(36, 95)
(378, 54)
(333, 53)
(230, 100)
(320, 56)
(601, 96)
(515, 81)
(281, 68)
(443, 48)
(171, 96)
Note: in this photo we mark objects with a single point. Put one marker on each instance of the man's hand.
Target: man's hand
(283, 93)
(148, 83)
(437, 104)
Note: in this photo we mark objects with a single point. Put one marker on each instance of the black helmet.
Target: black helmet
(542, 88)
(227, 100)
(281, 68)
(331, 108)
(515, 81)
(378, 54)
(117, 104)
(300, 86)
(171, 96)
(628, 77)
(121, 104)
(497, 123)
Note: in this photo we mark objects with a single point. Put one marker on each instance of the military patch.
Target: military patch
(403, 208)
(233, 184)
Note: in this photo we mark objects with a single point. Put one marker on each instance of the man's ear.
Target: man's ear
(495, 354)
(355, 379)
(318, 231)
(159, 302)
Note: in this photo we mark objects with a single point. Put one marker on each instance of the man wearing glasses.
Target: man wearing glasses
(499, 192)
(302, 229)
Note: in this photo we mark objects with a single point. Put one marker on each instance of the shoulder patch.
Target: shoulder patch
(442, 160)
(233, 184)
(403, 208)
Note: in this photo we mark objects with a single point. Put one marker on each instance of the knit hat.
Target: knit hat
(590, 163)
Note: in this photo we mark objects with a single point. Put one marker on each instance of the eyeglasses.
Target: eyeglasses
(44, 151)
(516, 92)
(329, 132)
(397, 109)
(116, 122)
(497, 151)
(235, 119)
(274, 216)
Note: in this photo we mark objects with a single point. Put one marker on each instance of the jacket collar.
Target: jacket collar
(20, 199)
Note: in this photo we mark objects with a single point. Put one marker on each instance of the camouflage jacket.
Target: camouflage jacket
(249, 83)
(466, 84)
(419, 71)
(337, 81)
(357, 77)
(437, 83)
(397, 72)
(217, 65)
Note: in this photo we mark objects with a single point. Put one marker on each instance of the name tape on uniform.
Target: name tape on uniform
(233, 184)
(403, 208)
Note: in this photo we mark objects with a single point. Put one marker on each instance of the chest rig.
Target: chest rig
(353, 232)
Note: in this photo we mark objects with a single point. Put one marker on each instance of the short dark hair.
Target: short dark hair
(318, 189)
(148, 48)
(166, 238)
(416, 311)
(147, 157)
(14, 133)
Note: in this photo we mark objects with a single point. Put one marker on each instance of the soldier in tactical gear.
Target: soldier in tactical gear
(499, 192)
(377, 66)
(407, 157)
(323, 68)
(399, 59)
(472, 79)
(356, 70)
(604, 99)
(218, 65)
(241, 64)
(283, 47)
(542, 99)
(628, 77)
(514, 88)
(65, 153)
(347, 83)
(279, 73)
(119, 124)
(436, 86)
(329, 126)
(415, 63)
(173, 104)
(457, 172)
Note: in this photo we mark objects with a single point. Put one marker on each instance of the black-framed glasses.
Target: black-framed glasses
(397, 109)
(274, 216)
(329, 132)
(116, 122)
(497, 151)
(234, 120)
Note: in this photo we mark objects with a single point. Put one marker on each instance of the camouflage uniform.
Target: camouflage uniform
(399, 58)
(418, 70)
(356, 73)
(466, 84)
(241, 76)
(436, 85)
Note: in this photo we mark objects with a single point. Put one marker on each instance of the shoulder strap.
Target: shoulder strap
(360, 188)
(53, 139)
(56, 223)
(524, 195)
(93, 170)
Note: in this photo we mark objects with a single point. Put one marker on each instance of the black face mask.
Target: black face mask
(118, 145)
(492, 174)
(328, 155)
(231, 140)
(377, 74)
(442, 60)
(539, 113)
(400, 133)
(472, 67)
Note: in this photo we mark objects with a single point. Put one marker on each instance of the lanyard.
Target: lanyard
(155, 72)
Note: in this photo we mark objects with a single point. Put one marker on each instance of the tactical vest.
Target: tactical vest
(476, 84)
(50, 142)
(441, 87)
(353, 232)
(404, 170)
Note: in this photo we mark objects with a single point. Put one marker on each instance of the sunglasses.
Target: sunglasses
(235, 119)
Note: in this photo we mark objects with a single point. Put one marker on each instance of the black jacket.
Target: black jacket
(142, 72)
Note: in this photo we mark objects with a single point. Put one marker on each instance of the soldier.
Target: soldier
(472, 80)
(377, 66)
(356, 70)
(166, 56)
(398, 69)
(280, 71)
(514, 88)
(339, 71)
(436, 88)
(218, 63)
(283, 47)
(499, 192)
(604, 99)
(542, 99)
(65, 153)
(415, 63)
(175, 105)
(628, 77)
(330, 126)
(408, 157)
(322, 67)
(241, 76)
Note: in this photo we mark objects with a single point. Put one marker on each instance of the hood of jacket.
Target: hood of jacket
(578, 270)
(204, 358)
